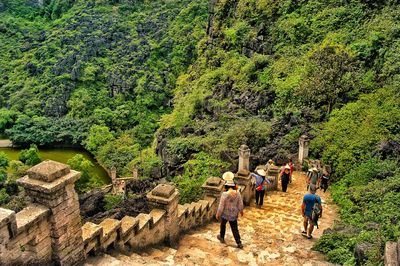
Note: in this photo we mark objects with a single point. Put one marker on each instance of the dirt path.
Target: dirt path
(271, 236)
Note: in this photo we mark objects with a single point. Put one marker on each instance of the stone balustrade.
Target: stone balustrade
(49, 230)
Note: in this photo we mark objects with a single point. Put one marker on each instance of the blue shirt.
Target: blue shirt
(309, 200)
(260, 180)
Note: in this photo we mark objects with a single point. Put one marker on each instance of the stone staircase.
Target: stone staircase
(271, 236)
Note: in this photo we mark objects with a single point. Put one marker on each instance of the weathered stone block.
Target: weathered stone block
(163, 190)
(37, 185)
(30, 215)
(48, 171)
(8, 220)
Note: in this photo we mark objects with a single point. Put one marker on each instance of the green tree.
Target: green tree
(30, 156)
(329, 77)
(98, 137)
(87, 180)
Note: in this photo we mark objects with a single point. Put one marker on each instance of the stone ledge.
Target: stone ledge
(48, 171)
(182, 210)
(48, 188)
(90, 231)
(6, 217)
(129, 225)
(163, 190)
(29, 215)
(109, 227)
(214, 184)
(144, 219)
(157, 216)
(161, 199)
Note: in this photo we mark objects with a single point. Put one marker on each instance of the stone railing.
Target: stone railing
(163, 224)
(392, 253)
(49, 230)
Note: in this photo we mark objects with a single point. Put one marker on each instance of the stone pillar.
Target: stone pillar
(52, 184)
(304, 142)
(244, 161)
(242, 177)
(213, 187)
(273, 174)
(166, 197)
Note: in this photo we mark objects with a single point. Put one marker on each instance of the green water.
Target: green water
(62, 155)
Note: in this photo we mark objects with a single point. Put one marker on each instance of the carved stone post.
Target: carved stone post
(244, 161)
(242, 177)
(52, 184)
(273, 173)
(213, 187)
(304, 142)
(166, 197)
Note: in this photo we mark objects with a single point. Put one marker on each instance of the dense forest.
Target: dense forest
(174, 87)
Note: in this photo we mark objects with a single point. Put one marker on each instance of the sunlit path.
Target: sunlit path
(271, 236)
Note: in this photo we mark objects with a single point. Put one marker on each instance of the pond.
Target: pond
(62, 155)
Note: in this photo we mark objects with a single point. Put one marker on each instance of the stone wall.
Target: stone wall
(162, 225)
(49, 230)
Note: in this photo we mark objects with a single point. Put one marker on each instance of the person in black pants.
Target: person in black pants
(285, 177)
(261, 182)
(230, 205)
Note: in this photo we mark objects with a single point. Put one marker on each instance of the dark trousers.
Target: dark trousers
(234, 228)
(284, 183)
(260, 197)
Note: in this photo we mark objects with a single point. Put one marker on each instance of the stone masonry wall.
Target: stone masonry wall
(49, 230)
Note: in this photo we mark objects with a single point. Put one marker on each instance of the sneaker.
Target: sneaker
(309, 237)
(240, 245)
(304, 233)
(220, 239)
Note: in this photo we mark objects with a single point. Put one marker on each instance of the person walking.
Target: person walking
(285, 177)
(269, 164)
(324, 181)
(230, 205)
(313, 178)
(291, 165)
(261, 182)
(311, 210)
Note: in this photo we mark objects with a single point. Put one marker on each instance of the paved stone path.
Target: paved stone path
(271, 236)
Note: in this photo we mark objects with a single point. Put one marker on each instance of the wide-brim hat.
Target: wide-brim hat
(287, 167)
(314, 169)
(270, 161)
(228, 176)
(261, 172)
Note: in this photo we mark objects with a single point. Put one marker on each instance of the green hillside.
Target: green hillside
(174, 87)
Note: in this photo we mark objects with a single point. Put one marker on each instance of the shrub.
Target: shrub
(112, 201)
(196, 171)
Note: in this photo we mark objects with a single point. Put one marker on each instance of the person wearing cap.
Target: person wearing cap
(261, 183)
(309, 200)
(285, 177)
(230, 205)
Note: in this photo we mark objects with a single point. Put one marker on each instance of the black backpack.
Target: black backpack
(316, 211)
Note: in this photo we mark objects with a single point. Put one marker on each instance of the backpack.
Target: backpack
(316, 212)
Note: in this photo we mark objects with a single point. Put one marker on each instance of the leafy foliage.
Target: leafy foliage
(30, 156)
(196, 171)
